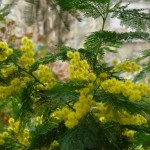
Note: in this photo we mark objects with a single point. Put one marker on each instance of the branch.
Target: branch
(70, 106)
(27, 73)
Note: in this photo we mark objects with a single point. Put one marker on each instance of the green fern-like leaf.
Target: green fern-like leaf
(133, 18)
(87, 135)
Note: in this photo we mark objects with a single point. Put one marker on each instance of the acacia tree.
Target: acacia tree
(95, 108)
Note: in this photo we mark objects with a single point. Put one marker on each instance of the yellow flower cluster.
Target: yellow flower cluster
(129, 89)
(2, 137)
(114, 62)
(53, 145)
(46, 77)
(105, 113)
(22, 137)
(15, 85)
(81, 107)
(5, 51)
(79, 69)
(128, 119)
(39, 119)
(103, 75)
(7, 70)
(13, 126)
(35, 121)
(127, 66)
(129, 134)
(27, 48)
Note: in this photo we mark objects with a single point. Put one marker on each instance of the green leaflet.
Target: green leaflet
(87, 135)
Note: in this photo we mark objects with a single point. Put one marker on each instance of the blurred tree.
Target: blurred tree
(48, 18)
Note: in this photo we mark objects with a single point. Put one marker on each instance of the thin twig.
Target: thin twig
(28, 73)
(70, 106)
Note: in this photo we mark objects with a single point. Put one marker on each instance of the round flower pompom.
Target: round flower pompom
(69, 54)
